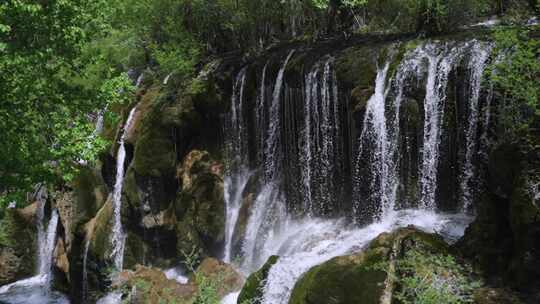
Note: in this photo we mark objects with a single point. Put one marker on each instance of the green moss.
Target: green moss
(154, 152)
(90, 194)
(343, 280)
(134, 250)
(102, 229)
(252, 290)
(18, 247)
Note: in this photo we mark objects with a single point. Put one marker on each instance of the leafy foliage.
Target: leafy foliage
(433, 279)
(47, 89)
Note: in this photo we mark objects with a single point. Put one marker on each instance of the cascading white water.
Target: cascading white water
(303, 244)
(47, 248)
(118, 236)
(268, 210)
(477, 65)
(237, 175)
(46, 234)
(272, 168)
(439, 67)
(260, 117)
(374, 132)
(234, 186)
(318, 145)
(306, 158)
(266, 219)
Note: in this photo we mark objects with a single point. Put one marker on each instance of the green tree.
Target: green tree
(45, 93)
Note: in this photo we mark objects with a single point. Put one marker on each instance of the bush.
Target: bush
(433, 279)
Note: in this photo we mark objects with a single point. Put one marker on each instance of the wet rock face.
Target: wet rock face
(367, 277)
(503, 241)
(200, 206)
(18, 250)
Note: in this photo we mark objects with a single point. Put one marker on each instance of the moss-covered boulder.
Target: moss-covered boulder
(89, 194)
(200, 206)
(366, 277)
(252, 290)
(18, 247)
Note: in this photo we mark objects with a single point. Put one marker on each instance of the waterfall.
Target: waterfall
(237, 175)
(439, 66)
(85, 269)
(237, 136)
(272, 149)
(268, 210)
(374, 141)
(315, 125)
(260, 116)
(477, 65)
(46, 235)
(118, 237)
(319, 150)
(306, 159)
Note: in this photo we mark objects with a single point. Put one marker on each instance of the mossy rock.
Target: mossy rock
(18, 247)
(155, 152)
(525, 225)
(200, 206)
(503, 169)
(134, 251)
(363, 277)
(99, 230)
(90, 194)
(188, 239)
(252, 290)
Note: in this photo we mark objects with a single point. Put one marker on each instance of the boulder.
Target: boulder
(366, 277)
